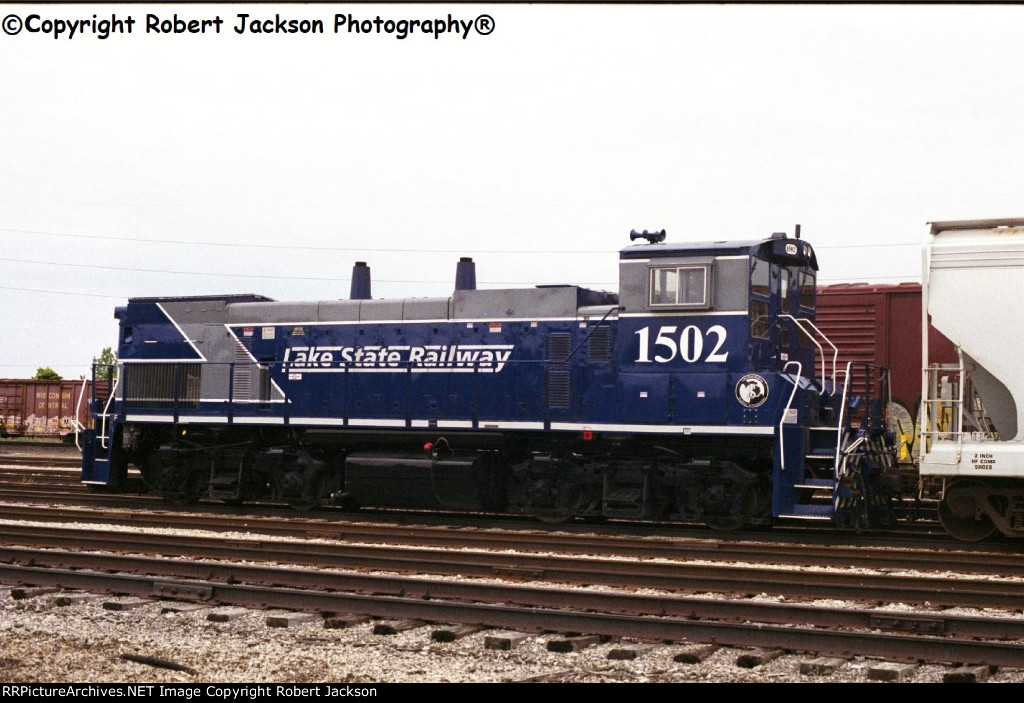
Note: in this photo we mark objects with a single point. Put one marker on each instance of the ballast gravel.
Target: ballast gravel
(42, 641)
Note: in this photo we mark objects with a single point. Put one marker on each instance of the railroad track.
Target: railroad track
(33, 459)
(1001, 559)
(864, 632)
(674, 576)
(208, 569)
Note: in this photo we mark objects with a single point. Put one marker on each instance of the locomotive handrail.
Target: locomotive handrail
(785, 412)
(835, 350)
(840, 426)
(106, 408)
(846, 453)
(231, 392)
(175, 402)
(866, 420)
(78, 409)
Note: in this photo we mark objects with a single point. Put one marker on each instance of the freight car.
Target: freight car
(44, 409)
(702, 392)
(972, 419)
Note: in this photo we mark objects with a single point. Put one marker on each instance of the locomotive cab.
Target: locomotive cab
(690, 313)
(717, 340)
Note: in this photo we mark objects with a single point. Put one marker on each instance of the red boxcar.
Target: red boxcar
(30, 408)
(881, 324)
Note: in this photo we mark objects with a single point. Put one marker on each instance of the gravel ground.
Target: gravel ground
(44, 640)
(84, 642)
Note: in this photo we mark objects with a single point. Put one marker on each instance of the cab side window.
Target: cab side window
(760, 290)
(807, 290)
(806, 293)
(680, 286)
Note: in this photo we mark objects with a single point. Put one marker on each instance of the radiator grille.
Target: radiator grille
(153, 385)
(242, 383)
(559, 391)
(559, 395)
(599, 348)
(559, 347)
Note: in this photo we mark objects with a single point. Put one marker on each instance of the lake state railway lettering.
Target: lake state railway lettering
(485, 358)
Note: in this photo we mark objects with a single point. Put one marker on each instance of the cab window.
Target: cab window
(807, 290)
(760, 277)
(680, 286)
(759, 326)
(760, 291)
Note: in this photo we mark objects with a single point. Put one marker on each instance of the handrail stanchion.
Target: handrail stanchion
(106, 408)
(78, 409)
(792, 394)
(835, 350)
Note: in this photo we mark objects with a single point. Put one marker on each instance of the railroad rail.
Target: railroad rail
(676, 576)
(947, 640)
(674, 544)
(34, 459)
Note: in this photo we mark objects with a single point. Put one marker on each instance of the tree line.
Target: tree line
(103, 365)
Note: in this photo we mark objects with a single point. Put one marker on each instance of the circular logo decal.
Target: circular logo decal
(752, 390)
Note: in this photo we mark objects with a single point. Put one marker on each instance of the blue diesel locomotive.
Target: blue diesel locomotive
(701, 392)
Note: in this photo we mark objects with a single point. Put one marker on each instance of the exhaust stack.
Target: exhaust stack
(360, 282)
(465, 274)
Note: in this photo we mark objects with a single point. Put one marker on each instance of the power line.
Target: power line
(909, 279)
(249, 276)
(183, 273)
(308, 278)
(62, 292)
(299, 247)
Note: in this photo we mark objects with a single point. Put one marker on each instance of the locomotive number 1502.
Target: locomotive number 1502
(689, 344)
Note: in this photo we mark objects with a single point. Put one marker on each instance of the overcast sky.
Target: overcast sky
(150, 164)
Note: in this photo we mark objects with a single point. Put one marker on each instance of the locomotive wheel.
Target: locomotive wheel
(580, 500)
(313, 494)
(725, 523)
(960, 515)
(190, 491)
(732, 522)
(174, 482)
